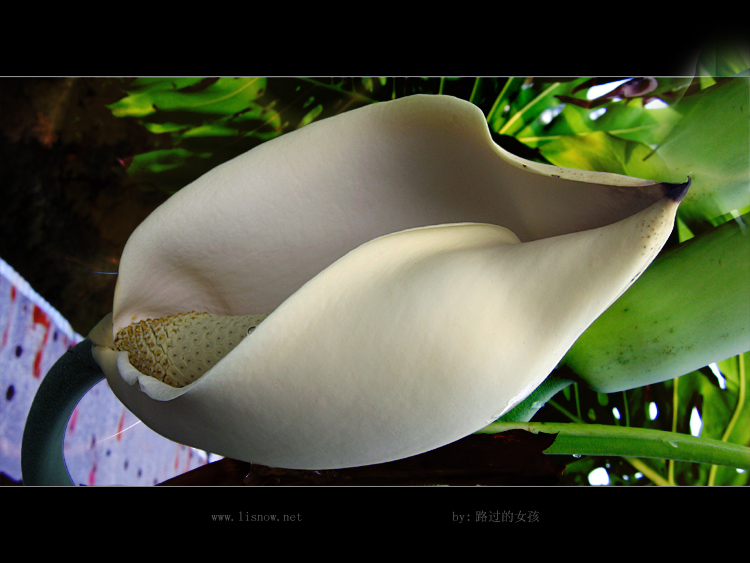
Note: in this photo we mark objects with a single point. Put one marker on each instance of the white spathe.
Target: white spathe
(403, 317)
(249, 233)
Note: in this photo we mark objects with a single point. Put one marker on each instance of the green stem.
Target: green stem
(641, 466)
(603, 440)
(675, 408)
(474, 89)
(526, 409)
(565, 412)
(635, 462)
(518, 119)
(502, 99)
(737, 410)
(351, 94)
(626, 409)
(42, 460)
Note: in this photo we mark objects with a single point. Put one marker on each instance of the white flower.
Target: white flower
(420, 281)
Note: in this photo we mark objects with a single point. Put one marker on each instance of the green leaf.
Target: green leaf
(627, 121)
(711, 144)
(144, 93)
(603, 151)
(520, 106)
(207, 121)
(705, 136)
(598, 439)
(687, 310)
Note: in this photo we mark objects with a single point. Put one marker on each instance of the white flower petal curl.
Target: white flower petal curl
(248, 234)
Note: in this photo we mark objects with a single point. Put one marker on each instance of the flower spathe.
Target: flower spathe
(420, 281)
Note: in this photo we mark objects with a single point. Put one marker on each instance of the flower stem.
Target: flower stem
(526, 409)
(42, 460)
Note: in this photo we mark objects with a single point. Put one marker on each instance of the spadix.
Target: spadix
(420, 281)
